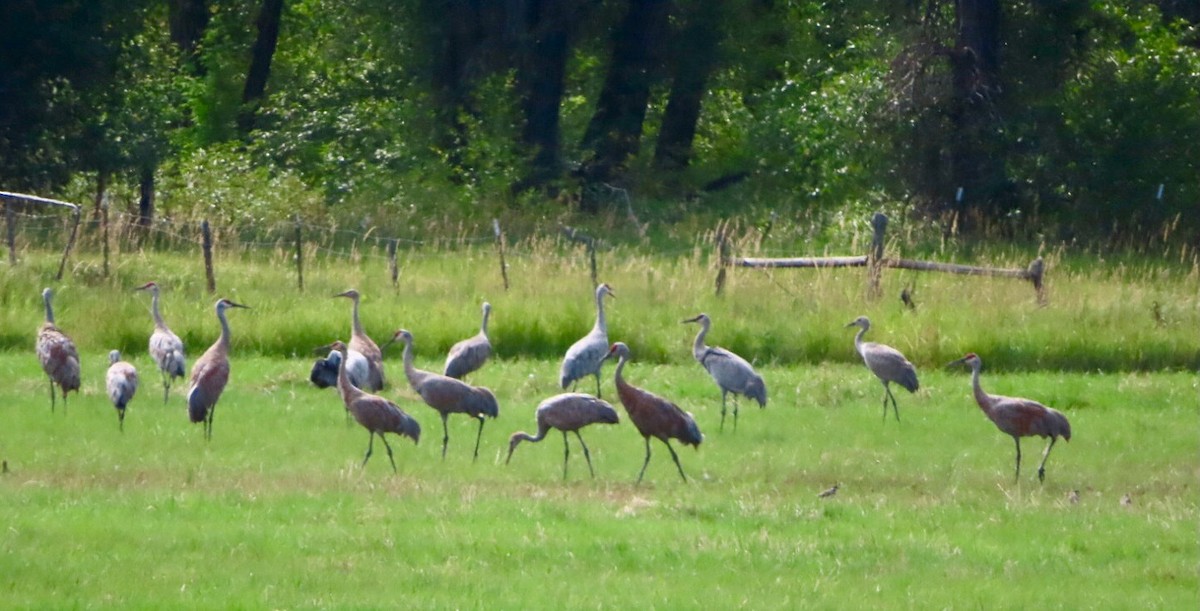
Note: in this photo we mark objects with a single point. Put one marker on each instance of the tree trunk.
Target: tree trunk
(695, 56)
(269, 16)
(614, 133)
(146, 195)
(187, 21)
(541, 68)
(454, 33)
(976, 164)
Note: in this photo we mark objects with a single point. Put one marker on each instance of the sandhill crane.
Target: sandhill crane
(362, 344)
(567, 412)
(57, 354)
(324, 372)
(165, 347)
(210, 373)
(121, 383)
(886, 363)
(447, 395)
(1018, 417)
(585, 356)
(653, 415)
(731, 372)
(374, 413)
(471, 353)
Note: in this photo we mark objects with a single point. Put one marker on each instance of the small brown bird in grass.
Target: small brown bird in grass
(374, 413)
(567, 412)
(653, 415)
(1018, 417)
(1073, 497)
(1127, 501)
(57, 354)
(828, 493)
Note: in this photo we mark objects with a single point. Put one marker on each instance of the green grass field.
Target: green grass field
(276, 512)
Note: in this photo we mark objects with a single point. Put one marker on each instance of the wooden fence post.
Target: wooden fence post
(10, 222)
(875, 258)
(723, 255)
(299, 255)
(500, 248)
(70, 244)
(104, 229)
(206, 244)
(393, 267)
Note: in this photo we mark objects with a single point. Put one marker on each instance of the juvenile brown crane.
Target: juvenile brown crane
(447, 395)
(121, 381)
(210, 373)
(886, 363)
(731, 372)
(1018, 417)
(165, 347)
(653, 415)
(57, 354)
(568, 413)
(374, 413)
(585, 356)
(361, 343)
(471, 353)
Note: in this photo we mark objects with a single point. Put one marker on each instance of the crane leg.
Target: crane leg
(566, 454)
(735, 411)
(445, 436)
(675, 457)
(723, 393)
(645, 462)
(587, 455)
(1045, 455)
(370, 447)
(121, 420)
(64, 394)
(477, 437)
(888, 395)
(166, 386)
(208, 423)
(1017, 478)
(52, 398)
(389, 451)
(598, 384)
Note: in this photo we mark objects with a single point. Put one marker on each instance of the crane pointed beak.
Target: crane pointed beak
(958, 362)
(238, 305)
(322, 350)
(687, 320)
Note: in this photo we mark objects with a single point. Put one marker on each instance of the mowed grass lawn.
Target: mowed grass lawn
(276, 511)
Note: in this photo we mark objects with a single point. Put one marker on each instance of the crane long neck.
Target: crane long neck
(620, 380)
(356, 327)
(347, 390)
(543, 428)
(601, 325)
(49, 308)
(858, 338)
(224, 339)
(483, 326)
(698, 347)
(982, 398)
(413, 374)
(158, 319)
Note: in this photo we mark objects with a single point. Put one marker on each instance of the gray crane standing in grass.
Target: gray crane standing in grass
(374, 413)
(324, 372)
(211, 373)
(1018, 417)
(471, 353)
(568, 413)
(57, 354)
(447, 395)
(886, 363)
(121, 382)
(653, 415)
(585, 356)
(731, 372)
(165, 347)
(361, 343)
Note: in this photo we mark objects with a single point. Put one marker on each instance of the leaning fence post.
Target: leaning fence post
(723, 255)
(393, 267)
(1037, 274)
(10, 222)
(104, 229)
(299, 255)
(500, 248)
(70, 244)
(206, 244)
(875, 258)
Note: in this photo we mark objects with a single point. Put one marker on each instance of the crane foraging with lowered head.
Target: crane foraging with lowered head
(568, 413)
(57, 354)
(165, 347)
(121, 382)
(886, 363)
(1018, 417)
(447, 395)
(361, 343)
(470, 354)
(211, 373)
(374, 413)
(732, 373)
(653, 415)
(585, 356)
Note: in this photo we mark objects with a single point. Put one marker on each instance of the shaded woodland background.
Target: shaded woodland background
(1073, 119)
